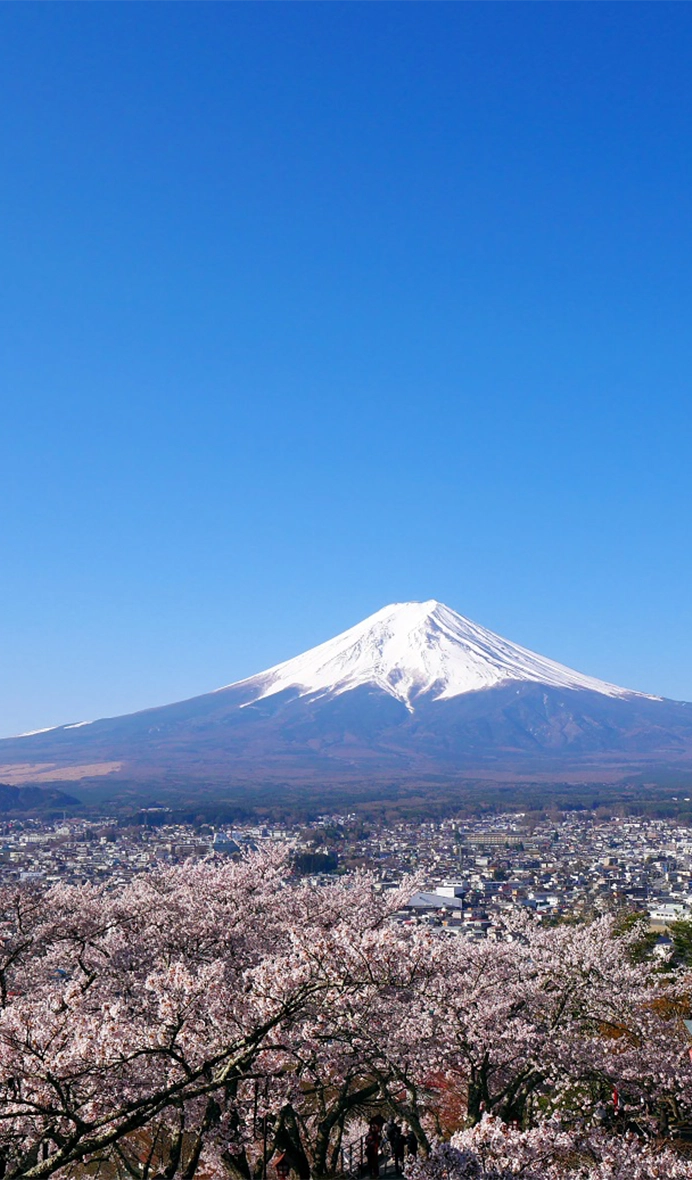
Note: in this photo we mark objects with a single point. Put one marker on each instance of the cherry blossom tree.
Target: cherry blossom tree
(206, 1017)
(559, 1017)
(157, 1014)
(345, 1053)
(494, 1151)
(121, 1008)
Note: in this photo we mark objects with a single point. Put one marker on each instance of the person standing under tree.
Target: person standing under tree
(411, 1142)
(398, 1144)
(372, 1150)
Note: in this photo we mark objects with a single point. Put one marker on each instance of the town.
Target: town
(469, 873)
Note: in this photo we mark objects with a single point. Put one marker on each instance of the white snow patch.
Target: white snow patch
(31, 732)
(53, 729)
(412, 649)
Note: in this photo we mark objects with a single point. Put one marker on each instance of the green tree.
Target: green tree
(681, 934)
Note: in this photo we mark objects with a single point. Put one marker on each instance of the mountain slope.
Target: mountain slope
(414, 692)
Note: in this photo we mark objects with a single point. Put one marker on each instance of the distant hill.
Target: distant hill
(23, 799)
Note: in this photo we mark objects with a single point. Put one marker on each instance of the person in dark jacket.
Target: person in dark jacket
(398, 1144)
(372, 1150)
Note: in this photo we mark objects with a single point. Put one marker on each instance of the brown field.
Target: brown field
(16, 774)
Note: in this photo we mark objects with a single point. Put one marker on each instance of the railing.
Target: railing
(354, 1160)
(353, 1157)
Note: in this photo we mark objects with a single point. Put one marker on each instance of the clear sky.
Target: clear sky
(308, 308)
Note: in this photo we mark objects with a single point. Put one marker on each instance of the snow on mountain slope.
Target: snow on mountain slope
(411, 649)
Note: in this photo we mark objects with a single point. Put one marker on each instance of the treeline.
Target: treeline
(408, 803)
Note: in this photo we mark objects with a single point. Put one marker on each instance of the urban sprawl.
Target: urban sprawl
(471, 873)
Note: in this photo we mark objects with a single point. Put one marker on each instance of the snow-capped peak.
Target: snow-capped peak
(413, 648)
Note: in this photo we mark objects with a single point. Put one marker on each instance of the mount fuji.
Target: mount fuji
(415, 694)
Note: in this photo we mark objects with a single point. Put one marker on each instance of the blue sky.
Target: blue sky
(310, 308)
